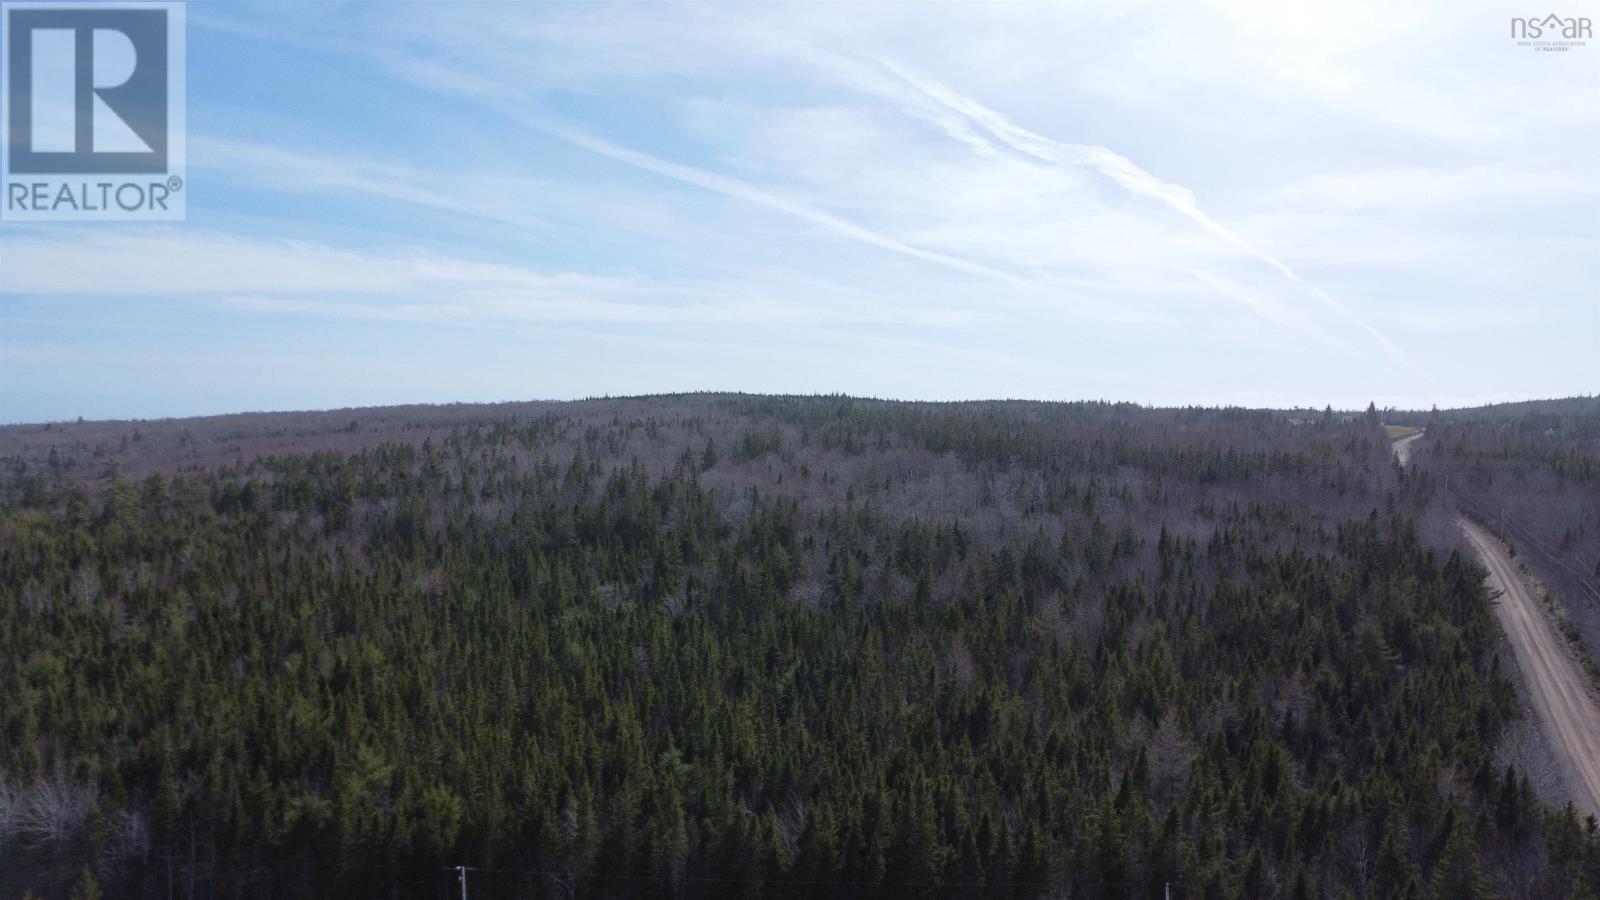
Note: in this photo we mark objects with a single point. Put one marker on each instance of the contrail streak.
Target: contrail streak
(1127, 174)
(733, 187)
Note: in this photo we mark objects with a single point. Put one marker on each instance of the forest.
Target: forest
(1530, 472)
(745, 646)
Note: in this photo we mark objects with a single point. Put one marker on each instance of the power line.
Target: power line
(1476, 505)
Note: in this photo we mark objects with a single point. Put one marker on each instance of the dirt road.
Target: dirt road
(1402, 448)
(1567, 712)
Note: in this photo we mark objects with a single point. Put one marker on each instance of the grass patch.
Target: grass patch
(1396, 432)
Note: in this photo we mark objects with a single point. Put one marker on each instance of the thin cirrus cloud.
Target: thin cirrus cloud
(1028, 291)
(138, 263)
(1294, 192)
(1134, 179)
(733, 187)
(306, 172)
(308, 278)
(347, 174)
(970, 123)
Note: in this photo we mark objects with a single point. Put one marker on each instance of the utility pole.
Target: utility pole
(463, 872)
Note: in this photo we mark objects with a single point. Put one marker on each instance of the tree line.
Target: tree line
(745, 646)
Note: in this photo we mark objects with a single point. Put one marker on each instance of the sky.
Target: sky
(1243, 203)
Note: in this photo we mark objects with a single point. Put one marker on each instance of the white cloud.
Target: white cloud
(742, 190)
(298, 277)
(1430, 189)
(978, 244)
(180, 262)
(497, 198)
(1289, 176)
(1136, 180)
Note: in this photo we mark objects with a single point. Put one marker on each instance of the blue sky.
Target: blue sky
(1186, 203)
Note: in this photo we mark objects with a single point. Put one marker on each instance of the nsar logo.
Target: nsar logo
(93, 100)
(1552, 33)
